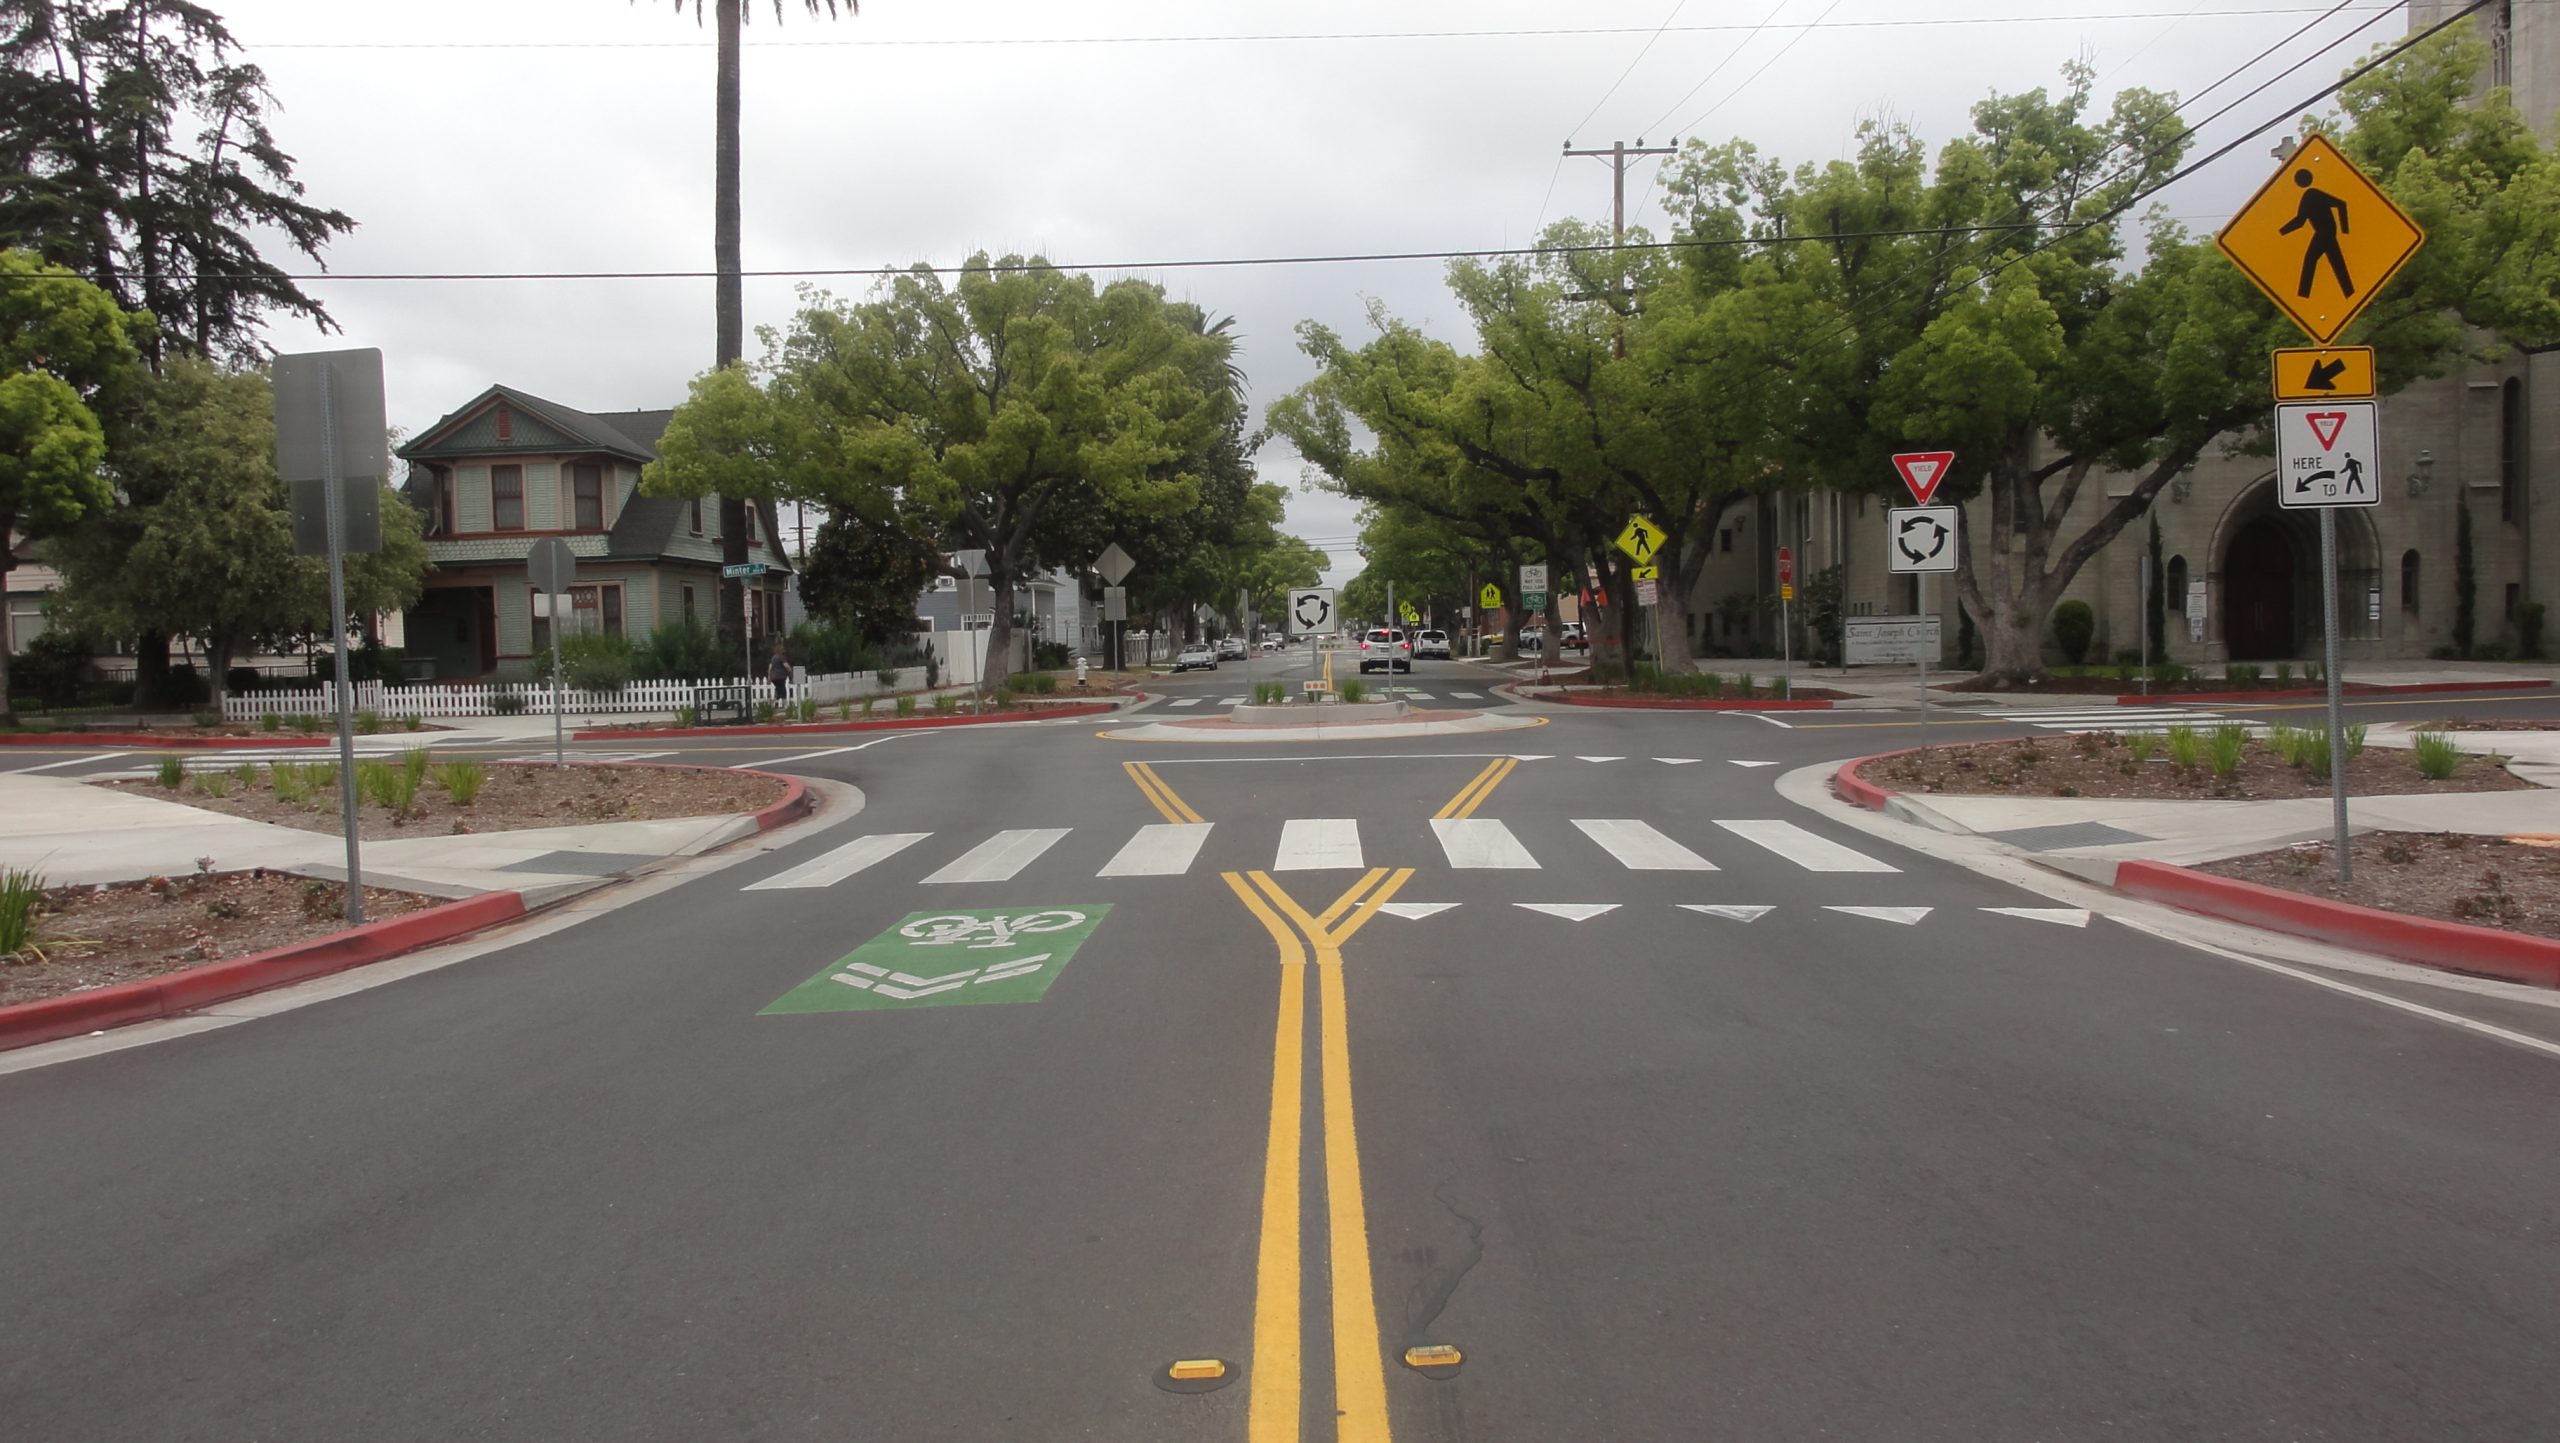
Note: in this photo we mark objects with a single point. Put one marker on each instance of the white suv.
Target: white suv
(1431, 643)
(1385, 648)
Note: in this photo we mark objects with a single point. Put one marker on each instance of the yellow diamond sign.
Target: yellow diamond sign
(2320, 239)
(1492, 595)
(1641, 539)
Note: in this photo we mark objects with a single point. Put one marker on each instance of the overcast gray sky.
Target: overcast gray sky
(575, 135)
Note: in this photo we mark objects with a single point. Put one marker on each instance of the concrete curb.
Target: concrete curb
(149, 740)
(2313, 693)
(798, 729)
(28, 1023)
(2446, 946)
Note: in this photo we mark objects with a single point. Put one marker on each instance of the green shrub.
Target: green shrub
(2241, 673)
(679, 650)
(292, 783)
(886, 678)
(2355, 739)
(825, 649)
(2230, 742)
(415, 761)
(21, 889)
(411, 721)
(805, 709)
(506, 703)
(2143, 746)
(309, 725)
(844, 711)
(269, 721)
(368, 722)
(1004, 697)
(688, 716)
(2314, 751)
(868, 703)
(947, 703)
(462, 780)
(2285, 742)
(2529, 615)
(765, 712)
(206, 718)
(2073, 626)
(246, 774)
(1044, 684)
(2186, 748)
(213, 784)
(1351, 689)
(2284, 673)
(906, 706)
(171, 771)
(2437, 755)
(394, 787)
(594, 661)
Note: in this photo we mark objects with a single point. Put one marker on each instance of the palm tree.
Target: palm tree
(729, 301)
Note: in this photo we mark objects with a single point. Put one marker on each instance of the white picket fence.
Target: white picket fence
(461, 699)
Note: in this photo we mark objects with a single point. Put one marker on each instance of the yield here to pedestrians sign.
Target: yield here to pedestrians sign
(941, 959)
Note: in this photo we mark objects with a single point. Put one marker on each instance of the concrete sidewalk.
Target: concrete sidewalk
(71, 832)
(1899, 686)
(2089, 834)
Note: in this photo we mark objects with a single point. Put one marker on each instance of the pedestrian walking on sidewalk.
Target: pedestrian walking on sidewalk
(780, 670)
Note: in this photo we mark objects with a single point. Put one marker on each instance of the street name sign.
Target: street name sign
(1641, 538)
(2326, 453)
(1920, 539)
(738, 571)
(2320, 238)
(2323, 373)
(1922, 471)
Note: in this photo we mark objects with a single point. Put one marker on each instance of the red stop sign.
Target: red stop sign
(1786, 566)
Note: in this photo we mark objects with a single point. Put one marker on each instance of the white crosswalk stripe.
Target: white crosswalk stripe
(1318, 845)
(2117, 718)
(1473, 843)
(1233, 701)
(1160, 849)
(843, 862)
(1468, 695)
(1185, 701)
(1814, 854)
(1000, 857)
(1639, 848)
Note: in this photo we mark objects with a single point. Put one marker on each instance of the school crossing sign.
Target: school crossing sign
(2320, 239)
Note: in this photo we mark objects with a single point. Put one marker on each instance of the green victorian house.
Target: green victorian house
(508, 468)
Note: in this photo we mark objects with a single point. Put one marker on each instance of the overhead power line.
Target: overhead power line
(825, 42)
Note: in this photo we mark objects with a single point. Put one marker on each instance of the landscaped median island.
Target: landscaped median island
(412, 794)
(58, 940)
(2510, 883)
(2225, 763)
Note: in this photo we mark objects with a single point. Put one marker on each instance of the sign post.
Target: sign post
(1786, 628)
(2325, 454)
(330, 428)
(549, 566)
(1114, 566)
(1922, 540)
(2142, 615)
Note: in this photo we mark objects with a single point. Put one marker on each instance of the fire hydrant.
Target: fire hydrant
(1079, 671)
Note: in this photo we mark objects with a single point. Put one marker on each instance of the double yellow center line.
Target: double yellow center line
(1172, 807)
(1359, 1372)
(1473, 794)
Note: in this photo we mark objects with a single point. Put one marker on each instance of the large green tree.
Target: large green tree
(63, 345)
(207, 548)
(729, 307)
(1009, 404)
(135, 149)
(867, 574)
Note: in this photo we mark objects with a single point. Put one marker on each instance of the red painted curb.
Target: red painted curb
(2451, 946)
(1856, 790)
(28, 1023)
(153, 739)
(2312, 693)
(1041, 712)
(1685, 704)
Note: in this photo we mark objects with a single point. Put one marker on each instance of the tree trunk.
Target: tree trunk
(8, 639)
(150, 665)
(999, 584)
(729, 301)
(217, 659)
(1671, 619)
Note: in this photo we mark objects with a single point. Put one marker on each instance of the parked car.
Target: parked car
(1385, 648)
(1199, 654)
(1533, 639)
(1272, 644)
(1231, 648)
(1570, 637)
(1431, 643)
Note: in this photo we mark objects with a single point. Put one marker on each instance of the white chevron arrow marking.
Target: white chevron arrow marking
(1570, 911)
(1415, 911)
(1903, 915)
(1737, 914)
(1677, 761)
(1517, 757)
(1599, 759)
(1737, 761)
(2066, 916)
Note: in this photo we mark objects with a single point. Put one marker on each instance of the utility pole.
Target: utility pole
(1618, 154)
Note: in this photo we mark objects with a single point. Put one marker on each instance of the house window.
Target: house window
(2510, 448)
(587, 490)
(751, 523)
(2409, 581)
(2175, 594)
(506, 424)
(596, 606)
(447, 507)
(688, 604)
(693, 521)
(506, 498)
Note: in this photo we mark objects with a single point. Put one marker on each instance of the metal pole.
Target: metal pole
(2142, 617)
(333, 508)
(1923, 587)
(1786, 647)
(551, 599)
(2337, 713)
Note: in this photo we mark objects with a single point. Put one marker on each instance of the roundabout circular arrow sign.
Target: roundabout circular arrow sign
(1312, 609)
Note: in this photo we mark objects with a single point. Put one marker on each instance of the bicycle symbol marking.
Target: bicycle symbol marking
(986, 932)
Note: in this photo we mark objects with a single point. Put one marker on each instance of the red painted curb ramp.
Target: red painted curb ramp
(2450, 946)
(47, 1019)
(876, 724)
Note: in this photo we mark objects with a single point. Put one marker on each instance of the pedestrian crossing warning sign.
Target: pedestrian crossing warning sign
(2320, 239)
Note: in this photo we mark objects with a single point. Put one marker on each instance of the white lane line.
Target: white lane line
(1904, 916)
(843, 862)
(1639, 848)
(1726, 911)
(1317, 844)
(71, 762)
(999, 857)
(1570, 911)
(1773, 721)
(803, 757)
(1160, 849)
(2065, 916)
(1481, 843)
(1814, 854)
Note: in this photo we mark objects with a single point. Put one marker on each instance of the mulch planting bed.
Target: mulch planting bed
(2448, 876)
(2489, 724)
(511, 797)
(95, 936)
(2103, 764)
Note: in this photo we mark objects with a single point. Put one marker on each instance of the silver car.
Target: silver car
(1199, 654)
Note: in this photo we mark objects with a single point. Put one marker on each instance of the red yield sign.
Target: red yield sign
(1923, 470)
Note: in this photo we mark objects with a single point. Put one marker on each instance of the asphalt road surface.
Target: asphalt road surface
(1681, 1110)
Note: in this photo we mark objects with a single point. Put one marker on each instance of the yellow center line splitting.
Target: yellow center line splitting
(1167, 803)
(1473, 794)
(1359, 1372)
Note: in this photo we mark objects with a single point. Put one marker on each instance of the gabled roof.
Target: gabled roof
(535, 427)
